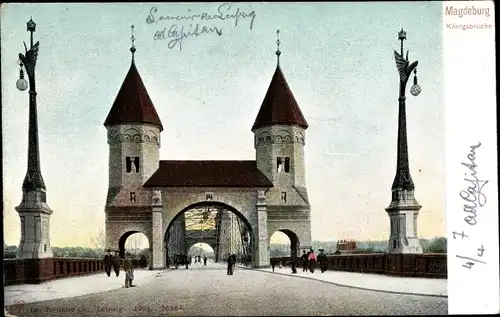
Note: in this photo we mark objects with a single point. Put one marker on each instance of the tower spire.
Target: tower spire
(278, 52)
(132, 48)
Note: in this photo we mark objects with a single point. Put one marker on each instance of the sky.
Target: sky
(337, 58)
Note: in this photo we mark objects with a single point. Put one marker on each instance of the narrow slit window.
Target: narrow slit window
(283, 197)
(128, 163)
(132, 197)
(287, 165)
(136, 164)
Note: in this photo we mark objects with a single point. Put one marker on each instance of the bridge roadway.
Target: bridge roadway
(202, 291)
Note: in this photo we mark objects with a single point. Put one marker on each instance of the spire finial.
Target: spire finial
(278, 52)
(132, 49)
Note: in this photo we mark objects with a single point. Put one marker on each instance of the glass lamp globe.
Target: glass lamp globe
(22, 84)
(415, 90)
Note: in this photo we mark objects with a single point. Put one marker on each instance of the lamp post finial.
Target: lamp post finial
(402, 37)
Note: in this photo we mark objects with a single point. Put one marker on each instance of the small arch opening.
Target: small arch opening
(284, 243)
(134, 242)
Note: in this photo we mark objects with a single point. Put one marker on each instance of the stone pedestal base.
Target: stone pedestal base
(34, 271)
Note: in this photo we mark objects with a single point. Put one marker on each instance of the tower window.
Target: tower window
(287, 165)
(283, 197)
(283, 164)
(136, 164)
(128, 163)
(132, 197)
(279, 165)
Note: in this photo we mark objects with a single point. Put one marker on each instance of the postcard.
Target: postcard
(202, 159)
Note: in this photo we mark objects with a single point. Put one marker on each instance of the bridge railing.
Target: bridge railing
(20, 271)
(412, 265)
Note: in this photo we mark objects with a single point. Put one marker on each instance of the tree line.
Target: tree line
(71, 252)
(434, 245)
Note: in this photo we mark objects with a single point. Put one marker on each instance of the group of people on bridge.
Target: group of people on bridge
(181, 259)
(115, 262)
(308, 260)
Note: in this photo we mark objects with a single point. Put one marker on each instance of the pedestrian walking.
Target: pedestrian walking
(233, 256)
(312, 260)
(304, 258)
(108, 262)
(229, 264)
(323, 261)
(144, 261)
(205, 260)
(294, 263)
(273, 263)
(129, 271)
(116, 263)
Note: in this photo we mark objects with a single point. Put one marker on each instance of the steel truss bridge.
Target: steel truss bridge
(216, 226)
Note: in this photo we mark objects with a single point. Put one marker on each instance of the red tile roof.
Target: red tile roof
(132, 104)
(208, 174)
(279, 105)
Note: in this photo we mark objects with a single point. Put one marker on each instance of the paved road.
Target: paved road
(210, 291)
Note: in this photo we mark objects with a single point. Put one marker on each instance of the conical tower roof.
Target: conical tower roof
(133, 104)
(279, 105)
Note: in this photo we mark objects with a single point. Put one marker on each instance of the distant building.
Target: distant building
(346, 246)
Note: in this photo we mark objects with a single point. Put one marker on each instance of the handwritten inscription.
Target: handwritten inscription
(177, 32)
(472, 195)
(474, 198)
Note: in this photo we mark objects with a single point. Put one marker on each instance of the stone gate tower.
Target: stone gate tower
(134, 142)
(279, 131)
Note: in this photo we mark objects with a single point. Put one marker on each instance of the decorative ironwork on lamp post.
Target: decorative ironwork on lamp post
(33, 210)
(33, 180)
(403, 209)
(403, 178)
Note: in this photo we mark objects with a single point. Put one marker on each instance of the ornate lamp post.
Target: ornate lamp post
(403, 210)
(33, 210)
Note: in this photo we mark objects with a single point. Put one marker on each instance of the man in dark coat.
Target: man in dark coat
(116, 263)
(205, 260)
(294, 263)
(273, 263)
(304, 259)
(322, 260)
(233, 262)
(229, 264)
(108, 262)
(144, 261)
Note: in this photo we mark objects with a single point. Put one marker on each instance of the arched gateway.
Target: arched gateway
(148, 195)
(221, 226)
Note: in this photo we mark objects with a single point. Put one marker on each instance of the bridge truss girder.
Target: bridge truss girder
(209, 224)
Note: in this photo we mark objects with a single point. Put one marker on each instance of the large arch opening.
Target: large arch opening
(284, 243)
(134, 242)
(219, 225)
